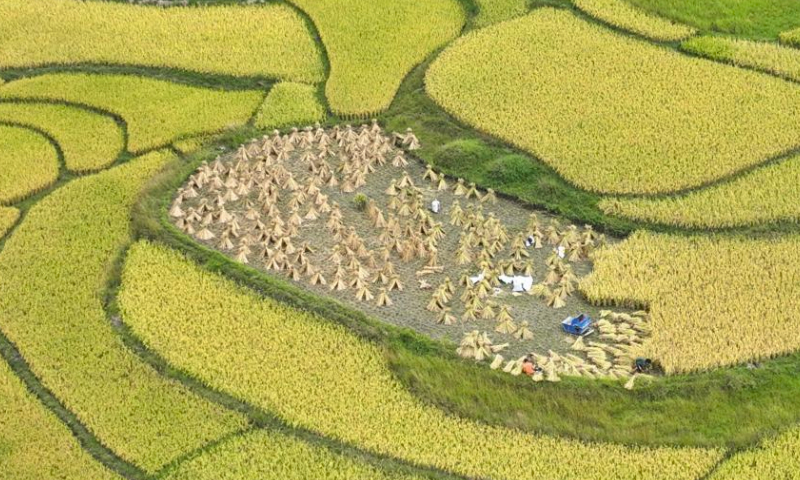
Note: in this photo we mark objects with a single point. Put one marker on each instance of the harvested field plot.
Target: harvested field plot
(344, 213)
(606, 111)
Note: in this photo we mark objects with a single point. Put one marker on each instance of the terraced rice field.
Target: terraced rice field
(207, 273)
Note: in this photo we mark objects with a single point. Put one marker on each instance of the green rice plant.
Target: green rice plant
(290, 104)
(52, 271)
(8, 217)
(265, 454)
(621, 14)
(28, 163)
(772, 459)
(757, 19)
(714, 300)
(792, 37)
(156, 111)
(88, 141)
(765, 56)
(600, 108)
(35, 444)
(315, 374)
(373, 45)
(762, 196)
(268, 41)
(496, 11)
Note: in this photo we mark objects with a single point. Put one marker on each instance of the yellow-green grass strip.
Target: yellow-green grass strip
(265, 454)
(8, 217)
(773, 459)
(290, 104)
(267, 41)
(623, 15)
(792, 37)
(184, 313)
(89, 141)
(28, 163)
(52, 274)
(762, 196)
(495, 11)
(372, 45)
(155, 111)
(765, 56)
(34, 444)
(599, 108)
(714, 300)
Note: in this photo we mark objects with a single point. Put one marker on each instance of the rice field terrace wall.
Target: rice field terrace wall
(182, 312)
(600, 109)
(36, 444)
(52, 271)
(155, 111)
(28, 163)
(621, 14)
(88, 141)
(372, 45)
(759, 197)
(765, 56)
(289, 104)
(714, 301)
(269, 41)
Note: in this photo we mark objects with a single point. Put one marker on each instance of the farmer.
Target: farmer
(642, 364)
(528, 367)
(436, 205)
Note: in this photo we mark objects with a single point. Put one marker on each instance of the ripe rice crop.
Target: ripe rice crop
(761, 196)
(774, 458)
(35, 444)
(156, 111)
(28, 163)
(765, 56)
(495, 11)
(621, 14)
(265, 454)
(270, 41)
(693, 283)
(373, 45)
(8, 217)
(51, 272)
(598, 107)
(88, 141)
(185, 313)
(792, 37)
(290, 104)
